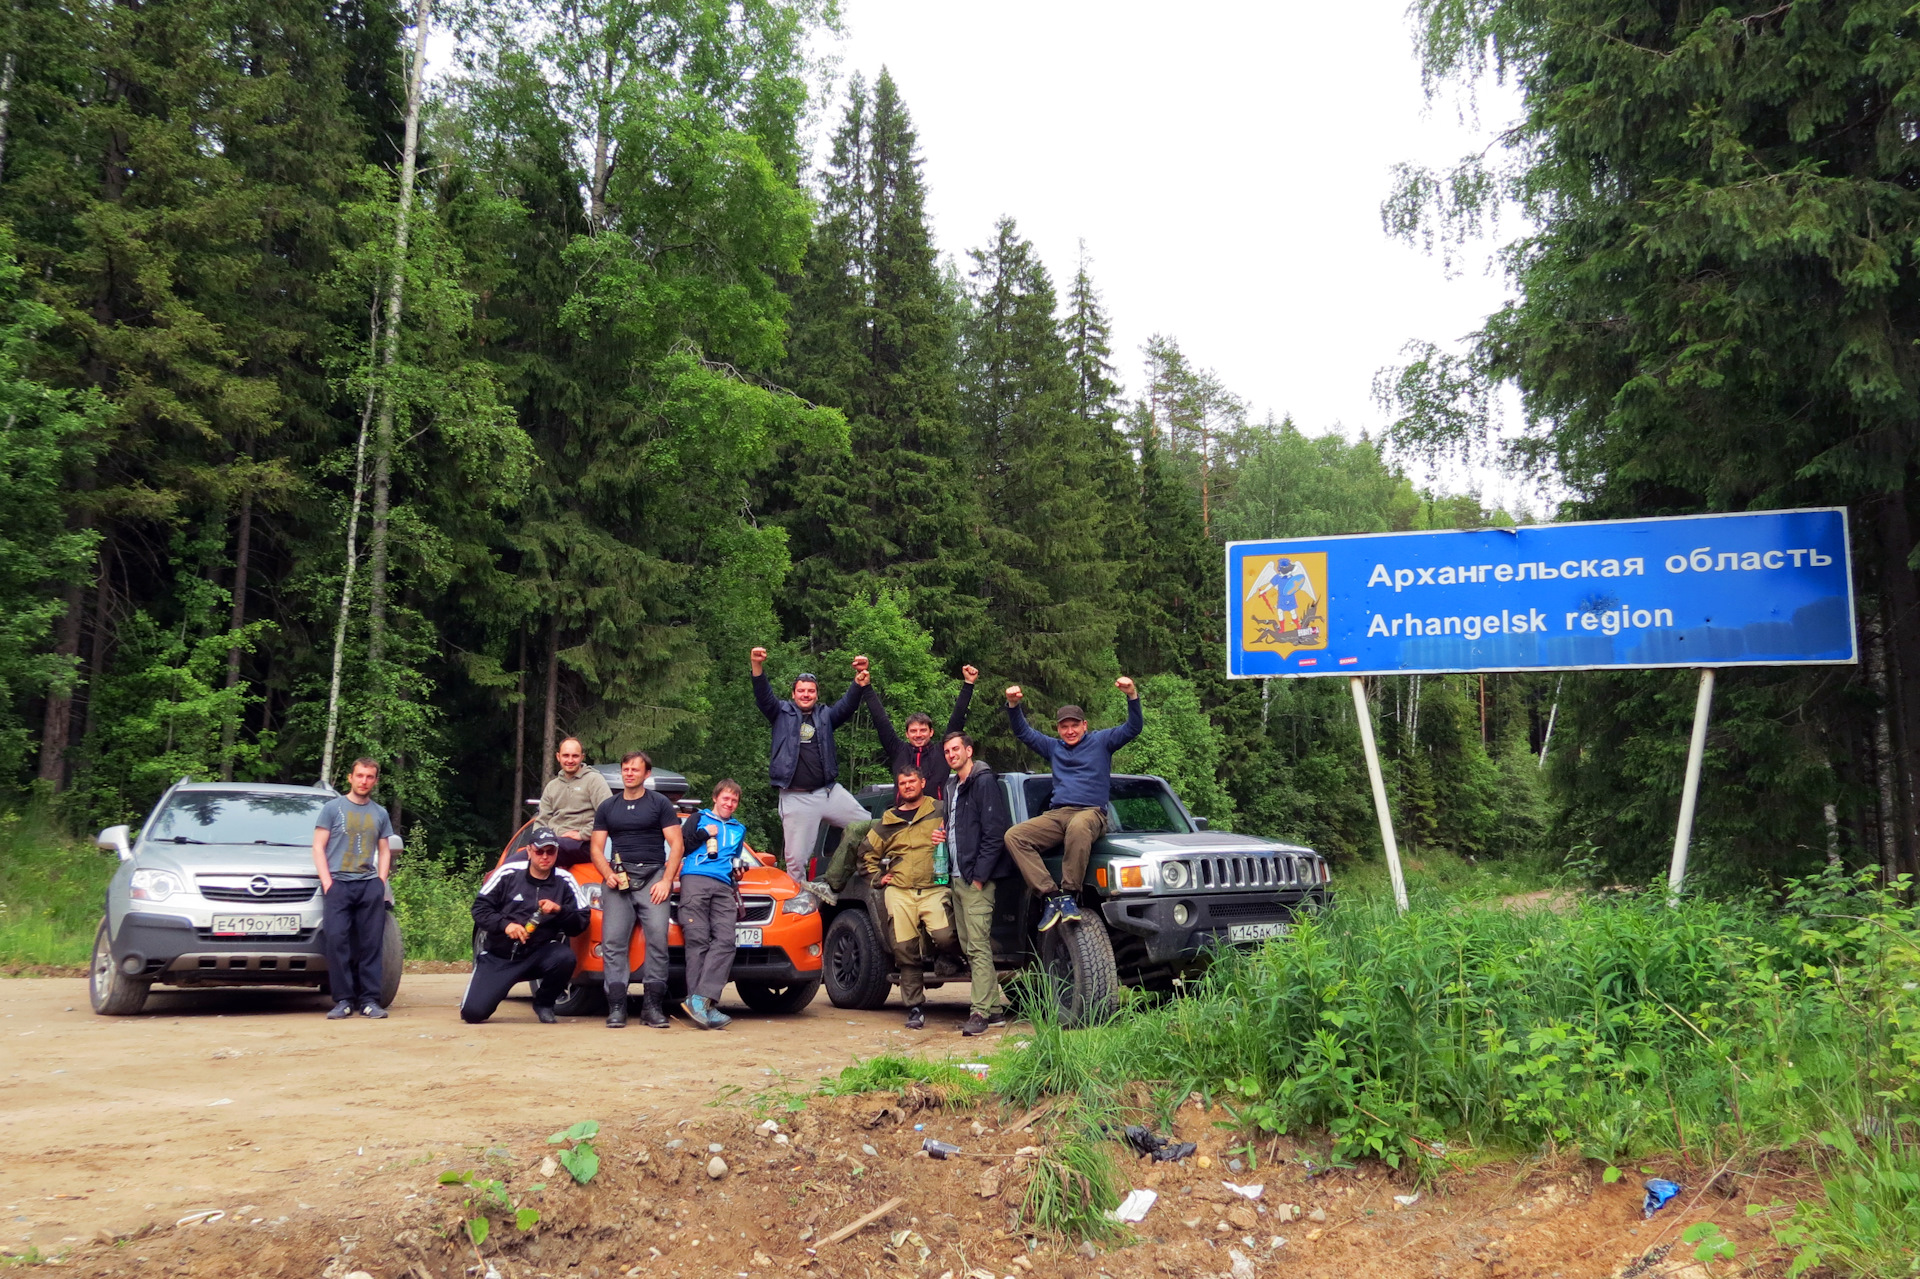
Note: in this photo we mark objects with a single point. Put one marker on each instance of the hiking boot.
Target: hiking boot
(373, 1010)
(824, 891)
(696, 1009)
(616, 1009)
(916, 1018)
(1069, 908)
(653, 1010)
(545, 1015)
(976, 1025)
(1050, 915)
(341, 1011)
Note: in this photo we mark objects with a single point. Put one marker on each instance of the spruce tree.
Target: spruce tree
(1050, 608)
(873, 337)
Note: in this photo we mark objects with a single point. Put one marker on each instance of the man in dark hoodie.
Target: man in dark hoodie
(526, 911)
(1082, 764)
(803, 764)
(918, 750)
(975, 834)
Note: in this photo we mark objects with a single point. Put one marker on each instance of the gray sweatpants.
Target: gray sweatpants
(708, 911)
(618, 911)
(802, 812)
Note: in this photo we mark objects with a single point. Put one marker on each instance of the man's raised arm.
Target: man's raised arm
(842, 710)
(1034, 740)
(762, 691)
(1121, 734)
(957, 722)
(889, 740)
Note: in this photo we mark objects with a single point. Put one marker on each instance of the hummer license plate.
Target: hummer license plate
(1254, 932)
(256, 925)
(746, 936)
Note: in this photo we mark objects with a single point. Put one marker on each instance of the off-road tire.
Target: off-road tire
(112, 992)
(763, 997)
(393, 961)
(583, 999)
(1076, 969)
(857, 962)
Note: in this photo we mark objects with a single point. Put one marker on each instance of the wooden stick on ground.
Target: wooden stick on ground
(854, 1227)
(1033, 1116)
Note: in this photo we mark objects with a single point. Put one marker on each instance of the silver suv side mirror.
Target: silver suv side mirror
(115, 839)
(394, 843)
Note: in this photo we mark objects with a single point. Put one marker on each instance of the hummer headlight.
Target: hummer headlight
(1174, 874)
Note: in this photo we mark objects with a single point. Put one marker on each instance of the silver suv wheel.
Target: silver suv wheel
(112, 992)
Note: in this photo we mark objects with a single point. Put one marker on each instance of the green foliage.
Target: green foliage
(1179, 744)
(890, 1072)
(580, 1159)
(51, 888)
(488, 1194)
(434, 904)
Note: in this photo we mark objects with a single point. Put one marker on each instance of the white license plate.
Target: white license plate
(746, 936)
(256, 925)
(1254, 932)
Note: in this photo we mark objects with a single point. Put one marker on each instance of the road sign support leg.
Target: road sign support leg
(1690, 788)
(1365, 717)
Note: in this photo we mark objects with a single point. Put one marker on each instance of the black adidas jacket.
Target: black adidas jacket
(512, 895)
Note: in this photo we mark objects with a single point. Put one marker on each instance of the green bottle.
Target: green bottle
(940, 862)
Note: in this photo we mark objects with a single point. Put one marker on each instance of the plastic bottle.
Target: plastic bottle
(940, 862)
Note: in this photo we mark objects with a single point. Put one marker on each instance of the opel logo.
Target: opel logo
(259, 885)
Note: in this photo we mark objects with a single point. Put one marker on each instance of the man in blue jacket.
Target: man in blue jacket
(803, 765)
(1082, 765)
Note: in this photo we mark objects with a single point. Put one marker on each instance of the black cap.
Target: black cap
(1066, 713)
(543, 837)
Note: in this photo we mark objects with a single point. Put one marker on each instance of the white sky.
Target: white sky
(1224, 161)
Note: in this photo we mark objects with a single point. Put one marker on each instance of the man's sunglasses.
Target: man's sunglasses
(806, 677)
(545, 850)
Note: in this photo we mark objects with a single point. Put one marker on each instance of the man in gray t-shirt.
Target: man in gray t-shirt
(351, 852)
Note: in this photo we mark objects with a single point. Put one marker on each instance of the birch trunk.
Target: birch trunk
(389, 356)
(346, 585)
(238, 618)
(548, 744)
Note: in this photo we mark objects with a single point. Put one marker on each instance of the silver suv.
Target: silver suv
(219, 889)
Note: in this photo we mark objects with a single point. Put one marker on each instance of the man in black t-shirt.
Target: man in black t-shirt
(636, 849)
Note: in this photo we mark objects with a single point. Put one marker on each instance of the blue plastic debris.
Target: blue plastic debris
(1658, 1194)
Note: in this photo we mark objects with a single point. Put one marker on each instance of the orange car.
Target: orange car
(776, 966)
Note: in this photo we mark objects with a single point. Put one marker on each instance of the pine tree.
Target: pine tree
(1050, 610)
(873, 336)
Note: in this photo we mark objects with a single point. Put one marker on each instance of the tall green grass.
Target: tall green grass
(52, 890)
(1618, 1026)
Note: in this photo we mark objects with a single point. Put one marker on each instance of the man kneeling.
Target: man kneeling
(899, 855)
(527, 913)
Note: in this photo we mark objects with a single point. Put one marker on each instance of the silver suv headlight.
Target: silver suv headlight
(1174, 875)
(154, 885)
(801, 903)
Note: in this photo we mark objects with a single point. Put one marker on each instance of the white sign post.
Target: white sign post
(1365, 717)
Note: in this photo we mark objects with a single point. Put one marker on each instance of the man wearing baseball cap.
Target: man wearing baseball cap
(526, 910)
(1082, 765)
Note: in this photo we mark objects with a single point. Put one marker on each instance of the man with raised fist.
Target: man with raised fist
(803, 765)
(1082, 765)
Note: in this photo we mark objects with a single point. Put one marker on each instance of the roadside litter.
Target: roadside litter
(1658, 1194)
(1163, 1149)
(1134, 1207)
(939, 1149)
(1407, 1201)
(1246, 1192)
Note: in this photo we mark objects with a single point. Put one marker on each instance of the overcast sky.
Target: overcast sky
(1224, 162)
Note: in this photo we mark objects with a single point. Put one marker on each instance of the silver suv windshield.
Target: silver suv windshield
(1146, 808)
(237, 817)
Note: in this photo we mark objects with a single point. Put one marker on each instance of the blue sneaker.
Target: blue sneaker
(1069, 908)
(696, 1009)
(717, 1020)
(1051, 915)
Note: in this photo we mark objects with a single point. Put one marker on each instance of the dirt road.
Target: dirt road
(242, 1099)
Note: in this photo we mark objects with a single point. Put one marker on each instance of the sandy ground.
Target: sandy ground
(250, 1098)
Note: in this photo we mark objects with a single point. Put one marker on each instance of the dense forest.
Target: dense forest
(351, 408)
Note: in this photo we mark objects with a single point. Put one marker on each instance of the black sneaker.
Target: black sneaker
(373, 1010)
(976, 1025)
(1051, 915)
(916, 1018)
(997, 1019)
(545, 1014)
(341, 1011)
(1069, 908)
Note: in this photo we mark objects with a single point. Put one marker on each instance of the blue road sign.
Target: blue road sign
(1768, 588)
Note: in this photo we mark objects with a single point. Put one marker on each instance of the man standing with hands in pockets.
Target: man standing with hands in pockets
(975, 832)
(351, 852)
